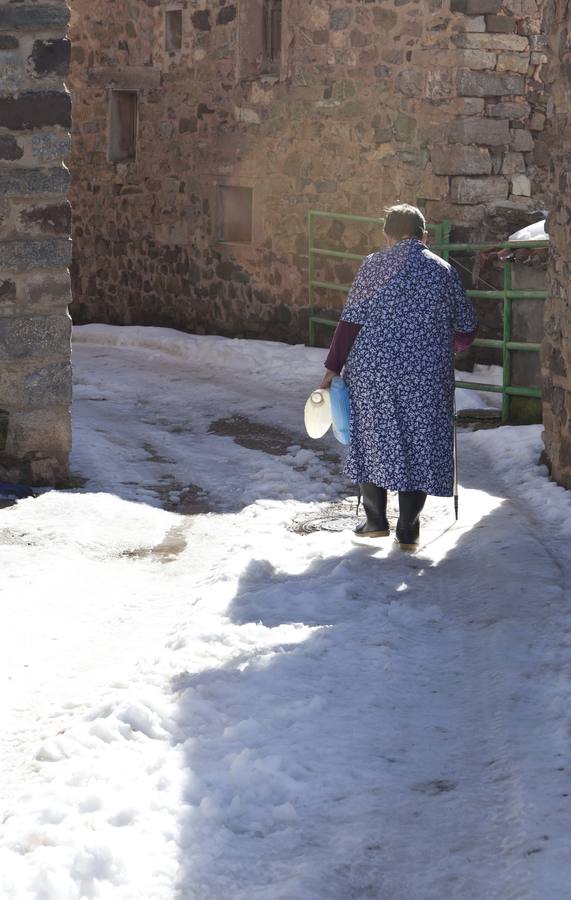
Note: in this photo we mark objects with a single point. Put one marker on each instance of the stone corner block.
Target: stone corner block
(36, 109)
(24, 182)
(44, 254)
(39, 17)
(40, 336)
(479, 190)
(475, 7)
(461, 159)
(489, 84)
(473, 130)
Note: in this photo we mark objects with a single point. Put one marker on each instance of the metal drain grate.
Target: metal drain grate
(339, 516)
(333, 517)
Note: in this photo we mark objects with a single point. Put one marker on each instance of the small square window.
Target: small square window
(123, 115)
(235, 206)
(173, 29)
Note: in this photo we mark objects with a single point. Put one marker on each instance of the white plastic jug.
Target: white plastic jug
(317, 415)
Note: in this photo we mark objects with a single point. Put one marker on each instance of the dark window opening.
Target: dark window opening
(123, 125)
(173, 29)
(260, 38)
(272, 32)
(235, 206)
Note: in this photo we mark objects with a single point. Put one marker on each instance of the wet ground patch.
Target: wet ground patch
(433, 788)
(255, 435)
(185, 499)
(172, 545)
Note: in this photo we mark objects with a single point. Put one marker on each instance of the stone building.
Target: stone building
(205, 129)
(35, 247)
(556, 350)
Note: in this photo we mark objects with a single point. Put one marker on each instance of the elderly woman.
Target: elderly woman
(405, 315)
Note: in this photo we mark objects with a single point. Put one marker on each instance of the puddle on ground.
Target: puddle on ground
(167, 551)
(268, 438)
(153, 455)
(187, 499)
(193, 501)
(255, 435)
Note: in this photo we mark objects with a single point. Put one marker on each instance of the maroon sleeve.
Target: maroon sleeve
(343, 340)
(464, 339)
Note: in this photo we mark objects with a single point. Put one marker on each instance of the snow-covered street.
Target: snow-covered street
(207, 699)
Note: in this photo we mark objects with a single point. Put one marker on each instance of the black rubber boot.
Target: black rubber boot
(411, 504)
(375, 506)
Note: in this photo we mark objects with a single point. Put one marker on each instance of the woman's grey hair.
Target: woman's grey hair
(404, 221)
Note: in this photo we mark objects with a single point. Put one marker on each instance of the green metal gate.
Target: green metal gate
(439, 243)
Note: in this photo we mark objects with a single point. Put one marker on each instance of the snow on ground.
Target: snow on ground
(470, 399)
(201, 703)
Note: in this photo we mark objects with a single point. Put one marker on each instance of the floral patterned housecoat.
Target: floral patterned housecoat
(400, 370)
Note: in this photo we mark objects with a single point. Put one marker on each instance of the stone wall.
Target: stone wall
(556, 350)
(438, 102)
(35, 373)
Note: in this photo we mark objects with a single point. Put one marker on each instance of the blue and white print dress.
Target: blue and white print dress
(400, 370)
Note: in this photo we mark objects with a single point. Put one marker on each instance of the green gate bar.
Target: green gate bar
(441, 243)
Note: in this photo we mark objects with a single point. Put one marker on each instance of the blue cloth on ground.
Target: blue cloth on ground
(14, 491)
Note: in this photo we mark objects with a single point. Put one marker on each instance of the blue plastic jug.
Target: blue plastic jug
(340, 410)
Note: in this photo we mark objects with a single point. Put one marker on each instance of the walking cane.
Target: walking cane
(455, 462)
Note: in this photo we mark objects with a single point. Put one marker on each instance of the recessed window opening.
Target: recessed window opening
(123, 115)
(261, 47)
(272, 32)
(173, 29)
(235, 206)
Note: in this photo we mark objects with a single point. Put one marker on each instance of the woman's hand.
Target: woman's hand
(326, 383)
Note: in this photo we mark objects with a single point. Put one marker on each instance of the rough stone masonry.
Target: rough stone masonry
(35, 246)
(204, 130)
(556, 349)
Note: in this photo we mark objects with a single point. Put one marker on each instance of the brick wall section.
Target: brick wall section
(35, 225)
(438, 102)
(556, 349)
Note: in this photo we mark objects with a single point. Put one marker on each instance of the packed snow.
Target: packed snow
(535, 232)
(205, 699)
